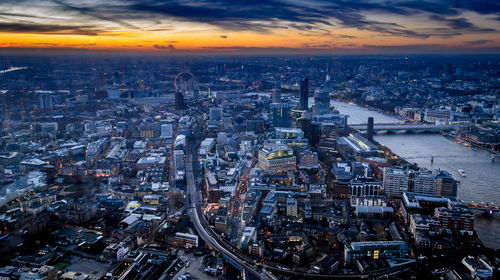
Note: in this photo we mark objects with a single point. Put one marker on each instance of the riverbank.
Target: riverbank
(456, 138)
(481, 183)
(369, 107)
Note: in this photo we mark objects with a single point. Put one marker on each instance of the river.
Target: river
(483, 177)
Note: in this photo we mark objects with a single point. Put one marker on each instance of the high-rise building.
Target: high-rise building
(196, 94)
(276, 95)
(304, 94)
(179, 100)
(321, 101)
(280, 113)
(446, 185)
(45, 101)
(369, 129)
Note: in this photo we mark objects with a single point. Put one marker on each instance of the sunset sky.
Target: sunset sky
(238, 26)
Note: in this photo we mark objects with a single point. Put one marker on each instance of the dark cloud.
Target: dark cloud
(269, 14)
(223, 36)
(17, 27)
(344, 36)
(477, 42)
(460, 24)
(311, 18)
(168, 47)
(92, 12)
(301, 27)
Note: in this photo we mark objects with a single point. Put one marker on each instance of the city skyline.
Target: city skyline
(242, 27)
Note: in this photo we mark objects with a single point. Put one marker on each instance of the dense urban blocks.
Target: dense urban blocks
(121, 168)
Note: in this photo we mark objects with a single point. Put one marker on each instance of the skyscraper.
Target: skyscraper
(179, 100)
(46, 101)
(304, 94)
(322, 101)
(280, 113)
(276, 95)
(369, 129)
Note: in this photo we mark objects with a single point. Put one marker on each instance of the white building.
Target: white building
(179, 160)
(167, 131)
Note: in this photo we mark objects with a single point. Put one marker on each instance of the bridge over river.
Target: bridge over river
(401, 127)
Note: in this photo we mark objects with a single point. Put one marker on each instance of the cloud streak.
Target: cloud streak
(314, 21)
(17, 27)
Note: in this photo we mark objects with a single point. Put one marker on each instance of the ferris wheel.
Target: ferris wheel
(185, 81)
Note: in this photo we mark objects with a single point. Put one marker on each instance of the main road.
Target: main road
(195, 202)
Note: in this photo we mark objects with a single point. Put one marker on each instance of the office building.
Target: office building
(308, 159)
(276, 95)
(422, 182)
(180, 142)
(149, 130)
(304, 94)
(361, 188)
(439, 183)
(46, 101)
(153, 166)
(356, 145)
(215, 114)
(288, 133)
(276, 158)
(321, 101)
(179, 101)
(179, 160)
(375, 250)
(395, 181)
(280, 114)
(166, 131)
(249, 235)
(446, 185)
(291, 207)
(369, 129)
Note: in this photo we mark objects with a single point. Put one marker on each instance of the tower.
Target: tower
(280, 114)
(322, 101)
(276, 95)
(304, 94)
(179, 100)
(369, 129)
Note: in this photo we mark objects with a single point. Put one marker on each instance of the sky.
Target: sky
(252, 27)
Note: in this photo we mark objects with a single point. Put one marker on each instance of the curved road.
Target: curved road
(200, 224)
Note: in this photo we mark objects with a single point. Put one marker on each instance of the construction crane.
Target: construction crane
(6, 112)
(23, 114)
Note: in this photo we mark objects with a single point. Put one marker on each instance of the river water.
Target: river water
(482, 183)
